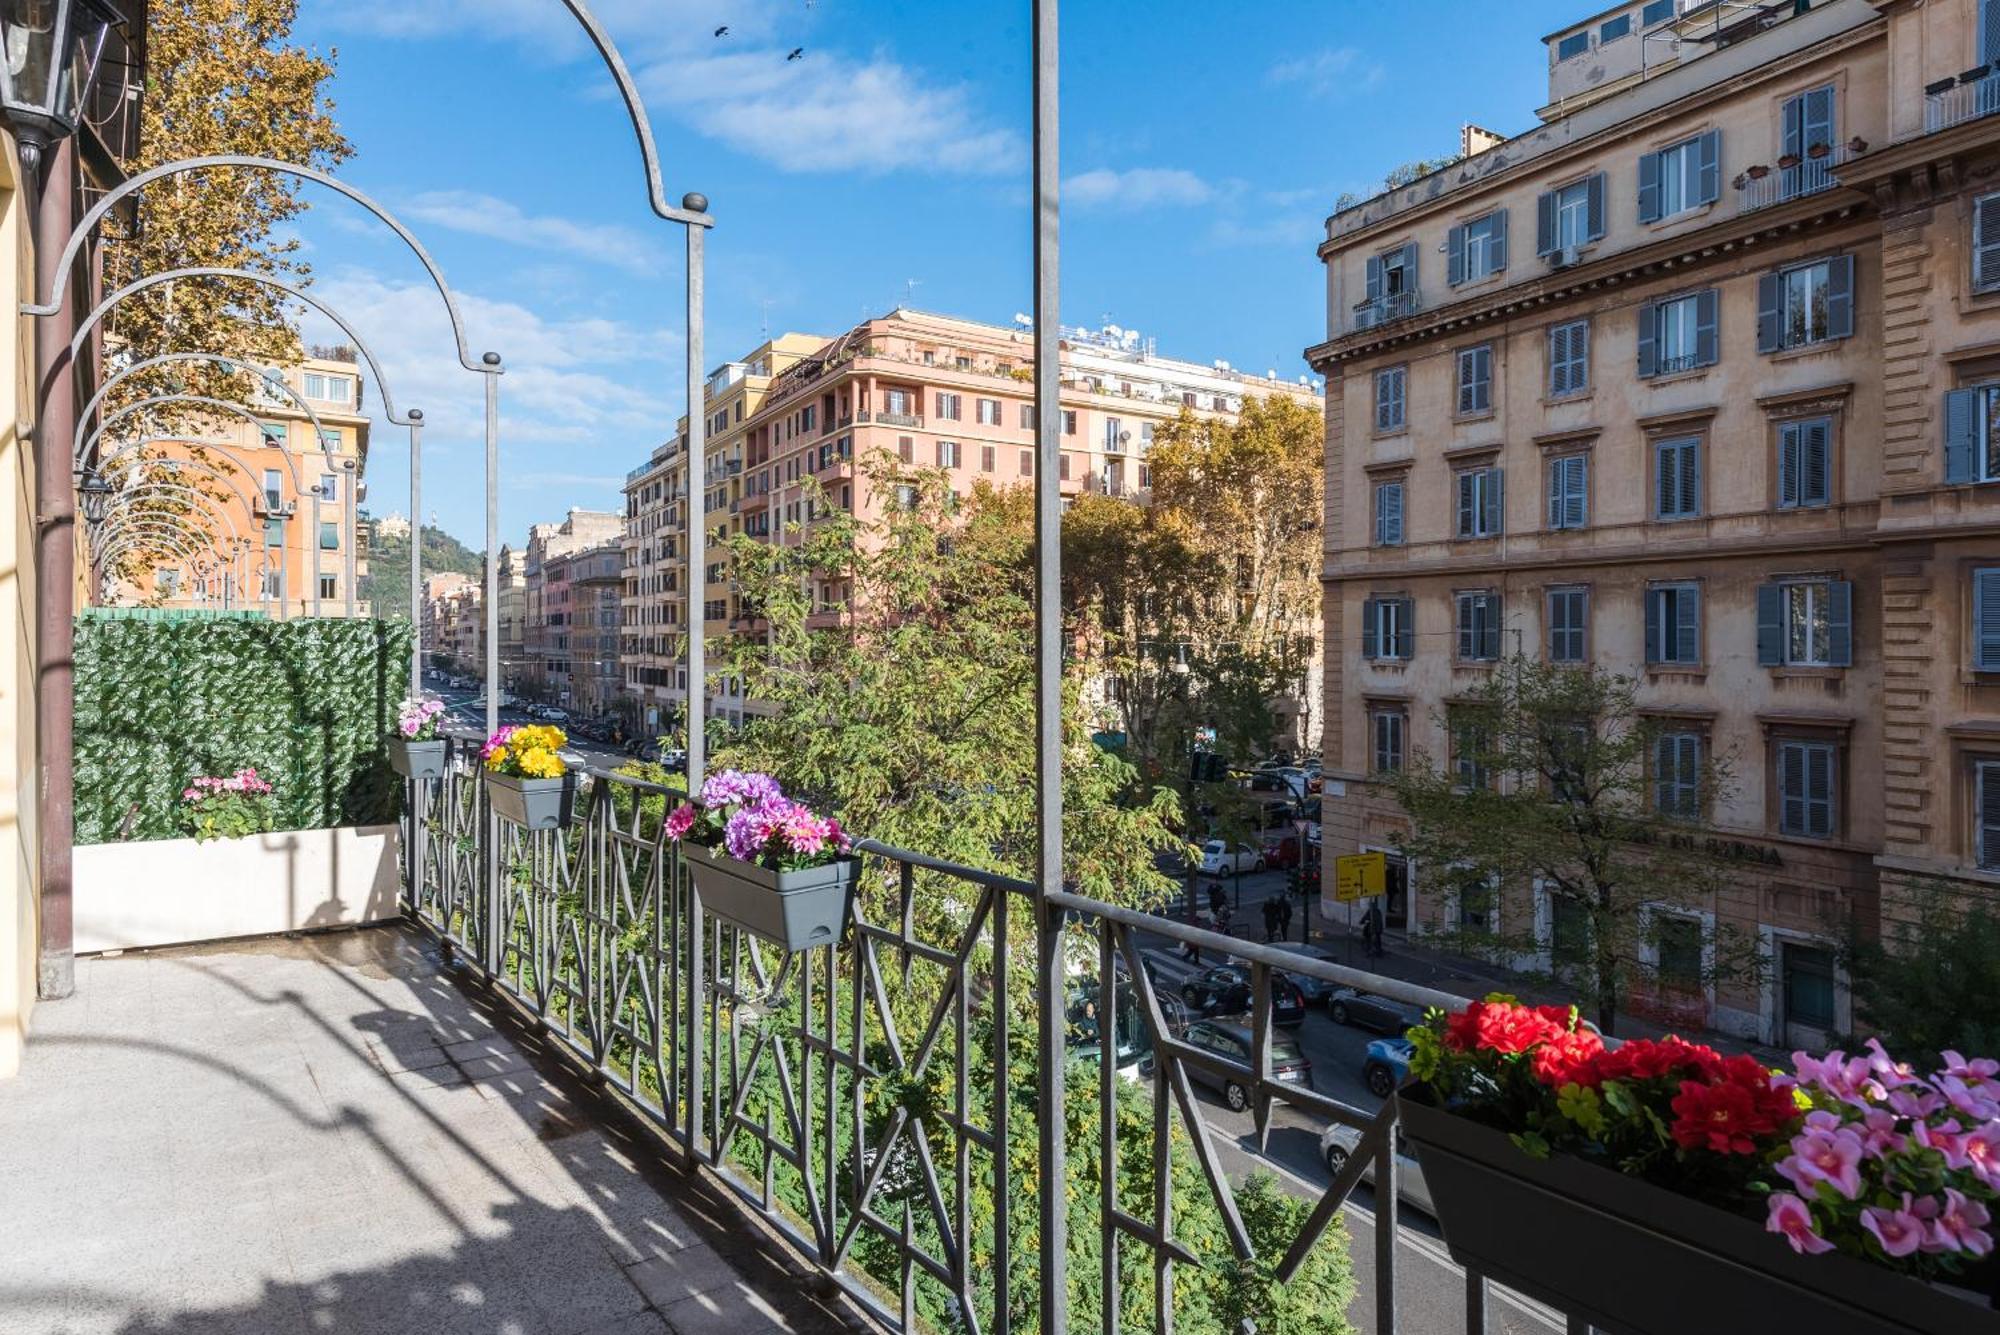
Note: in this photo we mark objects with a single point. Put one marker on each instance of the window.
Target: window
(988, 411)
(1388, 628)
(1027, 417)
(1114, 432)
(329, 439)
(1027, 463)
(1683, 176)
(1069, 421)
(1972, 434)
(986, 458)
(1480, 510)
(1678, 942)
(1573, 45)
(1808, 125)
(1476, 898)
(947, 454)
(947, 407)
(1805, 789)
(329, 536)
(1570, 217)
(1390, 385)
(1805, 463)
(1673, 624)
(1986, 619)
(896, 401)
(273, 434)
(1986, 243)
(1471, 743)
(1386, 727)
(328, 388)
(1478, 626)
(1062, 467)
(1388, 514)
(329, 586)
(1569, 930)
(1677, 775)
(1659, 11)
(272, 586)
(906, 497)
(1612, 29)
(1805, 623)
(1986, 814)
(1569, 491)
(1678, 334)
(1806, 304)
(1569, 358)
(905, 448)
(1477, 249)
(1475, 379)
(1677, 478)
(274, 488)
(1569, 623)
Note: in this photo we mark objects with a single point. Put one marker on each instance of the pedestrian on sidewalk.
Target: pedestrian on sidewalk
(1284, 920)
(1371, 930)
(1270, 920)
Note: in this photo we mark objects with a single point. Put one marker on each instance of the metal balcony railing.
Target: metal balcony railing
(1382, 310)
(874, 1101)
(1781, 185)
(899, 419)
(1947, 103)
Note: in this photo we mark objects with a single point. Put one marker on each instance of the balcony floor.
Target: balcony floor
(327, 1134)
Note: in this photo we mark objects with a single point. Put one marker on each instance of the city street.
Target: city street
(464, 711)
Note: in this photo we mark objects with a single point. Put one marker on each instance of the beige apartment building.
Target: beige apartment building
(299, 549)
(453, 633)
(1691, 381)
(545, 671)
(929, 390)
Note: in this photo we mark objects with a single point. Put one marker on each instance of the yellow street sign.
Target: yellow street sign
(1360, 876)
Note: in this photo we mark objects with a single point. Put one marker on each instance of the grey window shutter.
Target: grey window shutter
(1770, 625)
(1396, 513)
(1818, 117)
(1649, 187)
(1466, 512)
(1988, 850)
(1819, 789)
(1490, 625)
(1706, 345)
(1455, 261)
(1406, 629)
(1986, 243)
(1558, 488)
(1495, 506)
(1687, 625)
(1545, 223)
(1656, 602)
(1410, 267)
(1691, 478)
(1594, 206)
(1370, 634)
(1840, 623)
(1961, 435)
(1986, 619)
(1464, 610)
(1989, 31)
(1663, 772)
(1374, 278)
(1791, 438)
(1708, 167)
(1840, 297)
(1499, 241)
(1770, 312)
(1666, 482)
(1558, 359)
(1576, 511)
(1816, 462)
(1649, 323)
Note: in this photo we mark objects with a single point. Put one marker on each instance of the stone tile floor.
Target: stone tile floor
(327, 1134)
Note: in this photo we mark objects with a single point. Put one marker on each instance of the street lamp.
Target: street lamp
(51, 49)
(94, 493)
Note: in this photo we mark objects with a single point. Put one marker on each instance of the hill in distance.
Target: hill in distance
(387, 583)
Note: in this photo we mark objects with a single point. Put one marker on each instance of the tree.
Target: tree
(1551, 782)
(1933, 981)
(222, 76)
(386, 586)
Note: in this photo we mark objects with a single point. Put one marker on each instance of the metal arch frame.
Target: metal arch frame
(90, 220)
(641, 126)
(211, 507)
(178, 542)
(134, 544)
(269, 377)
(254, 506)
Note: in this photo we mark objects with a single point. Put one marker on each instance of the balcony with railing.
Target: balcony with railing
(1386, 309)
(1968, 97)
(1811, 174)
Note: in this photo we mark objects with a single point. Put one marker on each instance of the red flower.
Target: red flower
(1647, 1059)
(1734, 1112)
(1502, 1027)
(1568, 1058)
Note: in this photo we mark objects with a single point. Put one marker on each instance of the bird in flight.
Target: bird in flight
(723, 31)
(797, 51)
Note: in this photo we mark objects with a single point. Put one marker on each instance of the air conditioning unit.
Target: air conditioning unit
(1567, 257)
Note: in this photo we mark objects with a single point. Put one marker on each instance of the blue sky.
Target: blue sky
(1203, 145)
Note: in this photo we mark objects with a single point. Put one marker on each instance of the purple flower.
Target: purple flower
(1835, 1074)
(1791, 1220)
(1980, 1070)
(1900, 1232)
(749, 829)
(1820, 1155)
(732, 787)
(1966, 1096)
(1879, 1133)
(1906, 1103)
(1961, 1224)
(1943, 1138)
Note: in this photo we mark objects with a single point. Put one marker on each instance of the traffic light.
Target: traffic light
(1208, 767)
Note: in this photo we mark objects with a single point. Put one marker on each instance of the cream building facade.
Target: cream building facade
(1688, 381)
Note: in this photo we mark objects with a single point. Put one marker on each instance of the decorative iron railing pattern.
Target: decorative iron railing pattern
(872, 1100)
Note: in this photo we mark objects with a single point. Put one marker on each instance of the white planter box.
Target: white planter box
(167, 892)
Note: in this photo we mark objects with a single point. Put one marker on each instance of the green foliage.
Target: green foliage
(386, 586)
(1933, 981)
(307, 703)
(225, 816)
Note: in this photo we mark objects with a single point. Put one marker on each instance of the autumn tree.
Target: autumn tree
(1556, 780)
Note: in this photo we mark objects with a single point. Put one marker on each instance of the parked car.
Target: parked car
(1282, 849)
(1386, 1065)
(1225, 990)
(1219, 859)
(1338, 1143)
(1231, 1041)
(1316, 991)
(1365, 1010)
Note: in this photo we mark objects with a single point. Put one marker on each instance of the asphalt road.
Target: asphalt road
(463, 711)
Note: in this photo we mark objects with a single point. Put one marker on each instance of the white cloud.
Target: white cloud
(1329, 72)
(1137, 188)
(486, 215)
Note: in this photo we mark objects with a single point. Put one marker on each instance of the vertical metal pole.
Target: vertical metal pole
(697, 471)
(492, 610)
(416, 553)
(1048, 682)
(312, 538)
(350, 513)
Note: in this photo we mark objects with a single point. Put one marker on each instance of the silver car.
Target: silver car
(1338, 1143)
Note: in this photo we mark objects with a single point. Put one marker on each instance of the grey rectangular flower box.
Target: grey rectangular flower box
(533, 804)
(1633, 1258)
(799, 910)
(417, 760)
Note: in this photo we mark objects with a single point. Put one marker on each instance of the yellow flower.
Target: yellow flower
(498, 759)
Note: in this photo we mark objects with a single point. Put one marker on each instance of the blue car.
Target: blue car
(1386, 1066)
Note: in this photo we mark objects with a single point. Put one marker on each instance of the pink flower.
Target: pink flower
(1835, 1074)
(1961, 1224)
(1966, 1096)
(1879, 1133)
(1900, 1232)
(1790, 1219)
(1944, 1139)
(680, 822)
(1981, 1147)
(1819, 1155)
(1980, 1070)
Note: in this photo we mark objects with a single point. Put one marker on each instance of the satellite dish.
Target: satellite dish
(1025, 321)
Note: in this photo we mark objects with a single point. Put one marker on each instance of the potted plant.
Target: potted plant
(526, 779)
(1661, 1187)
(416, 748)
(218, 808)
(1758, 172)
(1789, 161)
(1817, 151)
(764, 862)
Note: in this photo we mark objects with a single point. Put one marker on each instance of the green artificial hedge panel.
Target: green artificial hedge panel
(307, 702)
